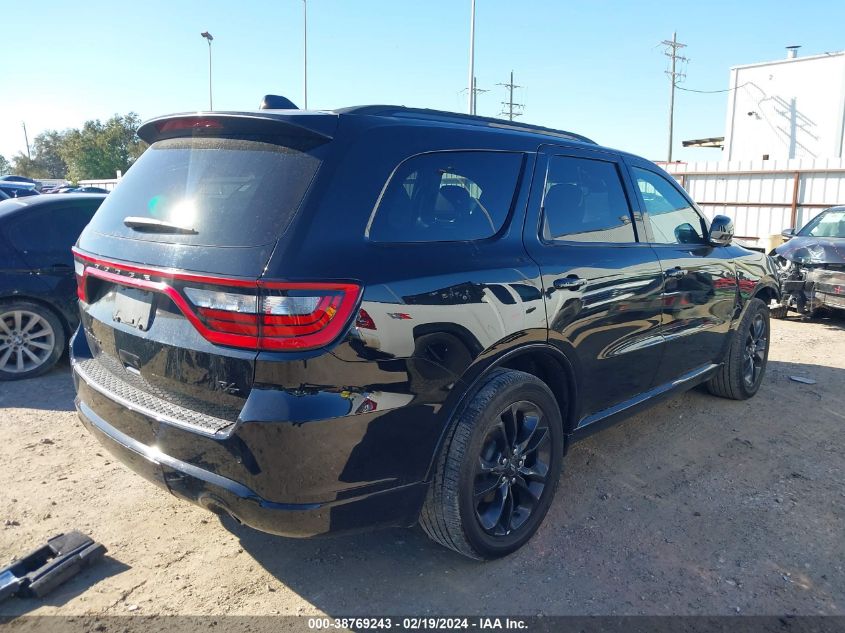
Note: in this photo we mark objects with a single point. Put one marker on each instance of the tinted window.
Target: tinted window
(232, 192)
(18, 192)
(45, 235)
(584, 201)
(670, 216)
(446, 197)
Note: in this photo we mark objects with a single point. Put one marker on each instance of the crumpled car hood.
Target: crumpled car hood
(813, 250)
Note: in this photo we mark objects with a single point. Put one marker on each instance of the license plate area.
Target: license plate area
(133, 307)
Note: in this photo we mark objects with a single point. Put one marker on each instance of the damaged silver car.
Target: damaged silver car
(812, 265)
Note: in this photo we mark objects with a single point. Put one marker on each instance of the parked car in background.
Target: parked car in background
(38, 310)
(89, 189)
(327, 321)
(812, 265)
(72, 189)
(14, 189)
(21, 179)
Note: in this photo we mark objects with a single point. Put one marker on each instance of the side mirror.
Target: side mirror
(787, 234)
(721, 231)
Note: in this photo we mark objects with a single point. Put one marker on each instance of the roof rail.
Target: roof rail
(463, 119)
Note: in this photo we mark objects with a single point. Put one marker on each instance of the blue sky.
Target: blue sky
(593, 67)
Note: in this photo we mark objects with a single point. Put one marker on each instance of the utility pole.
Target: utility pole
(509, 105)
(671, 51)
(305, 53)
(471, 78)
(208, 36)
(475, 91)
(26, 138)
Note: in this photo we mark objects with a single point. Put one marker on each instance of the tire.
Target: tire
(32, 339)
(733, 379)
(480, 526)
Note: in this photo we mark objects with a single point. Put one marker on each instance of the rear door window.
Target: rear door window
(584, 201)
(224, 192)
(447, 197)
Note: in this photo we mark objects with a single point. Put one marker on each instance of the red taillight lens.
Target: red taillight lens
(79, 270)
(244, 313)
(294, 316)
(229, 312)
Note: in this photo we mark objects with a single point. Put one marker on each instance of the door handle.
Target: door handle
(569, 283)
(675, 273)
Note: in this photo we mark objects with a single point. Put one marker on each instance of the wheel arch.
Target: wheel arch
(767, 292)
(541, 360)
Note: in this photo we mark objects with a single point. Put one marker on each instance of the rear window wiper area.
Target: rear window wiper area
(152, 225)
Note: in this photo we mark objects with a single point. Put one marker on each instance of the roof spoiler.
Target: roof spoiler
(314, 126)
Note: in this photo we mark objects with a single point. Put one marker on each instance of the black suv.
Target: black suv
(326, 321)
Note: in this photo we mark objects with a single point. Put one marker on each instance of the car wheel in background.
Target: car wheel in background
(31, 340)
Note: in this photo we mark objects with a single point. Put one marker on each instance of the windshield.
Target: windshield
(826, 224)
(222, 192)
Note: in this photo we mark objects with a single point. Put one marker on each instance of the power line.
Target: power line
(710, 92)
(671, 51)
(509, 105)
(475, 92)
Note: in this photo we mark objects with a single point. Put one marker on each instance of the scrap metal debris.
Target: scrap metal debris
(803, 380)
(47, 567)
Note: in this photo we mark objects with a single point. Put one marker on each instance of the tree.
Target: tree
(23, 165)
(5, 166)
(46, 161)
(46, 151)
(99, 149)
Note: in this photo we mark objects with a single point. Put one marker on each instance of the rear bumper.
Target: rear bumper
(397, 506)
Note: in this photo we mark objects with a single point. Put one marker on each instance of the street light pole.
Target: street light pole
(305, 52)
(471, 80)
(210, 38)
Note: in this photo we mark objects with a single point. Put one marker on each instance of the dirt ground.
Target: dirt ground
(698, 506)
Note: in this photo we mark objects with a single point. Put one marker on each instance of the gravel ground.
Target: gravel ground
(698, 506)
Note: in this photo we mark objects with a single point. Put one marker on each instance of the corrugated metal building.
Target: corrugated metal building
(784, 146)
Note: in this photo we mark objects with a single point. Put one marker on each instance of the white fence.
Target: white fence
(763, 197)
(105, 183)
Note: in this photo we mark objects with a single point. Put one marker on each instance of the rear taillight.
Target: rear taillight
(79, 272)
(260, 314)
(280, 316)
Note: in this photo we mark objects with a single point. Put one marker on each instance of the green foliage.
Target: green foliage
(5, 166)
(46, 161)
(22, 165)
(97, 150)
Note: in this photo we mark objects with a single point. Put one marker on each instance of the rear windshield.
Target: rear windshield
(223, 192)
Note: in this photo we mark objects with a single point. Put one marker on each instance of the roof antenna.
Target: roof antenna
(276, 102)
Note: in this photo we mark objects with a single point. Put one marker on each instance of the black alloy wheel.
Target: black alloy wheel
(512, 469)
